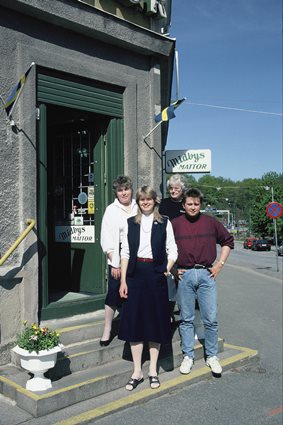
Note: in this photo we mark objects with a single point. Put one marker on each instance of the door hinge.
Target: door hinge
(37, 114)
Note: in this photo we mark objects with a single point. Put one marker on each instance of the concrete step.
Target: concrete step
(86, 399)
(81, 328)
(89, 354)
(87, 327)
(71, 388)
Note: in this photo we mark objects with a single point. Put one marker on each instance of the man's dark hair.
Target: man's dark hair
(193, 193)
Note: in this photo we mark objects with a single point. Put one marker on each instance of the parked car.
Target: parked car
(261, 245)
(248, 242)
(280, 250)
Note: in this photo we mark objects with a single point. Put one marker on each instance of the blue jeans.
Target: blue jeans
(197, 283)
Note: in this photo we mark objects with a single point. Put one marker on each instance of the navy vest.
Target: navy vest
(158, 244)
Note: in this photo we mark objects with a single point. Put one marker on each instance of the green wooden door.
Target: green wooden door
(80, 152)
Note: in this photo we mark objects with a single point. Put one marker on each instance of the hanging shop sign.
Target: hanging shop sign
(188, 161)
(74, 234)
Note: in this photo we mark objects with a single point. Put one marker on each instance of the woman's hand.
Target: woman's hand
(123, 291)
(116, 272)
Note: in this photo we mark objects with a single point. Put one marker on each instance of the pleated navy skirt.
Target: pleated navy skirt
(145, 314)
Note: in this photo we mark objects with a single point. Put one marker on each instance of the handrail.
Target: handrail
(31, 223)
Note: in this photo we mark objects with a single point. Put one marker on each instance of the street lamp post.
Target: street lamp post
(275, 227)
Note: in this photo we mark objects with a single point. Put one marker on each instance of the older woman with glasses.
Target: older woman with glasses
(172, 206)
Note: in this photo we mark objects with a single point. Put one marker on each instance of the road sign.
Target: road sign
(274, 210)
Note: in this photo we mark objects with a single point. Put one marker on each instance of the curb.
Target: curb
(245, 355)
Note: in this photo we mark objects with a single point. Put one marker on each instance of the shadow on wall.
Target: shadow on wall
(8, 281)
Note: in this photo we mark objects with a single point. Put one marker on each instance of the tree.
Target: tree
(261, 223)
(246, 200)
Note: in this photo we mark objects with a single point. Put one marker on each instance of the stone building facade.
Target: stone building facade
(102, 70)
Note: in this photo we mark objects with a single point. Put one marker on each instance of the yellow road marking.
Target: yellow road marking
(30, 394)
(75, 327)
(135, 397)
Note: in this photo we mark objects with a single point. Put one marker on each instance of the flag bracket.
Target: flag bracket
(147, 135)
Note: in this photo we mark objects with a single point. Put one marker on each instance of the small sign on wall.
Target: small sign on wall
(74, 234)
(188, 161)
(90, 204)
(79, 221)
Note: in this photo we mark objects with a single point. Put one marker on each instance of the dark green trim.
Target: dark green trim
(79, 96)
(58, 310)
(114, 154)
(42, 209)
(109, 162)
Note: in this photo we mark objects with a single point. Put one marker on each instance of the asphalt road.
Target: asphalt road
(250, 315)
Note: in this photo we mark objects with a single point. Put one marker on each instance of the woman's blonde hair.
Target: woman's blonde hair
(148, 192)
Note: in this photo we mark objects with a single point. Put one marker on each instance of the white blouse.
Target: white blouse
(144, 250)
(112, 229)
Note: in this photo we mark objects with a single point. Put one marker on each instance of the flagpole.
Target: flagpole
(177, 73)
(148, 134)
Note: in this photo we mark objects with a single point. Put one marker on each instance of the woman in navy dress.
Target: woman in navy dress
(148, 253)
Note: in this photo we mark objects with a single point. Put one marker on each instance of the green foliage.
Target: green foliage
(35, 338)
(271, 183)
(246, 200)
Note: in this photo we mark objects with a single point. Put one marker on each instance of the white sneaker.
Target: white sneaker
(214, 365)
(186, 365)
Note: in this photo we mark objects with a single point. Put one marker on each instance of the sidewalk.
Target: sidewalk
(105, 404)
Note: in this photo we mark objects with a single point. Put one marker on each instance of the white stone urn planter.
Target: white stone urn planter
(38, 364)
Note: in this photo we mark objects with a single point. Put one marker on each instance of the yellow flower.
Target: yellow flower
(25, 322)
(34, 326)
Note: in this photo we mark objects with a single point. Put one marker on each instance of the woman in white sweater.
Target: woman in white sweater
(112, 230)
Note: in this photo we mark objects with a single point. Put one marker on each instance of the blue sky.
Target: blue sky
(230, 54)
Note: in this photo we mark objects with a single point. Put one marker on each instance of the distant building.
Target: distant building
(102, 70)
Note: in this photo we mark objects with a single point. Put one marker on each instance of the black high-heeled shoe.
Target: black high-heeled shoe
(104, 343)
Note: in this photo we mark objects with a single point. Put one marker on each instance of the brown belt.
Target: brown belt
(145, 260)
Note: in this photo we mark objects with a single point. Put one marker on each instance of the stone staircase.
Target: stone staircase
(84, 370)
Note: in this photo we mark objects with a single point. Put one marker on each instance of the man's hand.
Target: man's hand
(215, 269)
(180, 273)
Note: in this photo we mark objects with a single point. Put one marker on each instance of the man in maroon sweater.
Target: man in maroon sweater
(197, 236)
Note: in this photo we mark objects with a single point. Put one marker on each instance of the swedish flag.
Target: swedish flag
(167, 113)
(10, 102)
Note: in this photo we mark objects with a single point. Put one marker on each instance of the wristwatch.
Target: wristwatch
(221, 262)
